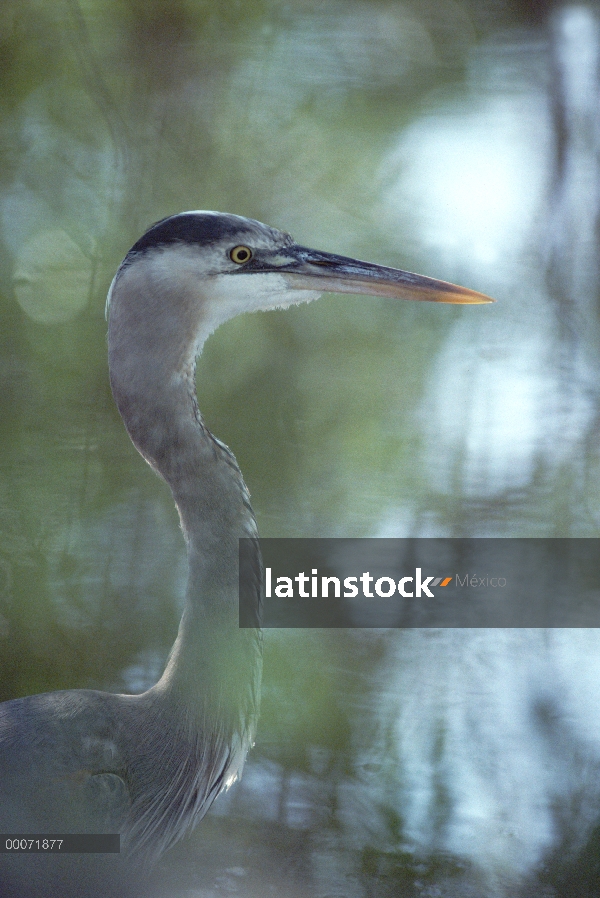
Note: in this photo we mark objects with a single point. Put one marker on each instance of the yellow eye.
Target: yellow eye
(240, 254)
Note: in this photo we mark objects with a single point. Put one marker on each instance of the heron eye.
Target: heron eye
(240, 254)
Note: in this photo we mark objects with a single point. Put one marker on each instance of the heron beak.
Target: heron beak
(313, 270)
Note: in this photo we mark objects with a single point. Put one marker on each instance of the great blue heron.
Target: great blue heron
(149, 766)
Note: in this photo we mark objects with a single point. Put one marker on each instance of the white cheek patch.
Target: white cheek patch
(231, 294)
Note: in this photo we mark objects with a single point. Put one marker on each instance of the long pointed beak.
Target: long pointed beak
(313, 270)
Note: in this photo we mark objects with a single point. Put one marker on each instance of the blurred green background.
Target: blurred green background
(457, 138)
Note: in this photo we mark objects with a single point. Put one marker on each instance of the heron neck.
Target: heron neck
(153, 383)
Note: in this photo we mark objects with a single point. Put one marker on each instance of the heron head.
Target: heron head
(237, 264)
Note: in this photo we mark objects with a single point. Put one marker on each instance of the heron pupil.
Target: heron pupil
(240, 254)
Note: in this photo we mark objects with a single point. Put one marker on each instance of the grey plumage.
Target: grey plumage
(149, 766)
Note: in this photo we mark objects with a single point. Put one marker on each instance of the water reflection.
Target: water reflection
(472, 176)
(488, 186)
(488, 736)
(452, 763)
